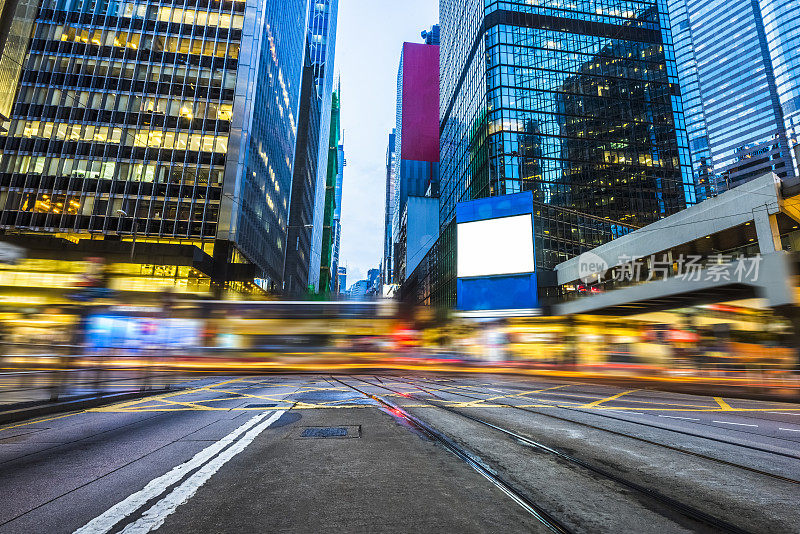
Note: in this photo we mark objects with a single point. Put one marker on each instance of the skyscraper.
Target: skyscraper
(739, 66)
(159, 137)
(324, 25)
(301, 206)
(416, 152)
(327, 277)
(387, 265)
(305, 212)
(578, 105)
(341, 280)
(337, 210)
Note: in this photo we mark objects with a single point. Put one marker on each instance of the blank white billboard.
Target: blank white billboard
(495, 246)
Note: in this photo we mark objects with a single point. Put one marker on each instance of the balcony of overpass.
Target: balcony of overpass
(742, 244)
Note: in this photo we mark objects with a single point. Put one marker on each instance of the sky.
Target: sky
(370, 37)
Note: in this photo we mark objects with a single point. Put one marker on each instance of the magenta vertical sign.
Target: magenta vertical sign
(420, 129)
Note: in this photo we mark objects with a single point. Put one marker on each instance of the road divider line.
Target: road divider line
(676, 417)
(790, 429)
(153, 518)
(737, 424)
(108, 519)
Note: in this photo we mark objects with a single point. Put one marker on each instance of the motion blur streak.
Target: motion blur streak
(105, 348)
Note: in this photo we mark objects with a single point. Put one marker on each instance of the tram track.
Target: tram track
(720, 461)
(661, 499)
(470, 458)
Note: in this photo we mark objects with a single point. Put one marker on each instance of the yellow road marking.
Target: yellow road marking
(41, 420)
(307, 406)
(506, 396)
(722, 404)
(607, 399)
(120, 405)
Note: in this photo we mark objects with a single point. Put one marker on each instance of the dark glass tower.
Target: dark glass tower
(166, 131)
(306, 211)
(578, 104)
(323, 25)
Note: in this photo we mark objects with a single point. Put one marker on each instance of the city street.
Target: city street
(404, 452)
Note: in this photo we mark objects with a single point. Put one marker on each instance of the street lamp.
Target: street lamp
(123, 213)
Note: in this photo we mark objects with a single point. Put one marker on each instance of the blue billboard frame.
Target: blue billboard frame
(499, 292)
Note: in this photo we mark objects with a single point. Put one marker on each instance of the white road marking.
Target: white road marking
(625, 412)
(106, 521)
(784, 413)
(737, 424)
(790, 429)
(676, 417)
(157, 514)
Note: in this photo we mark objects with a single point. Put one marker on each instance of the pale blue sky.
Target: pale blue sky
(370, 36)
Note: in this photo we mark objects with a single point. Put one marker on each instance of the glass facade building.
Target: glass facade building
(576, 101)
(167, 126)
(306, 210)
(738, 64)
(781, 19)
(324, 23)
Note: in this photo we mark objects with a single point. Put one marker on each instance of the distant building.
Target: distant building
(329, 253)
(374, 281)
(387, 265)
(341, 280)
(416, 137)
(359, 290)
(337, 211)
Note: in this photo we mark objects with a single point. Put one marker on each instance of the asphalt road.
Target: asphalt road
(405, 452)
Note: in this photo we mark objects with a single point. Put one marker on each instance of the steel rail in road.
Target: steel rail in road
(637, 438)
(682, 508)
(470, 458)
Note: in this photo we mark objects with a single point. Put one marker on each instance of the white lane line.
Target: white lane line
(784, 413)
(790, 429)
(676, 417)
(106, 521)
(737, 424)
(625, 412)
(157, 514)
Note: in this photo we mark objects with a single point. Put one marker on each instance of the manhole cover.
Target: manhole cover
(321, 432)
(324, 432)
(260, 405)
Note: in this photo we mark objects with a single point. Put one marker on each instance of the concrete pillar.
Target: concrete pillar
(769, 237)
